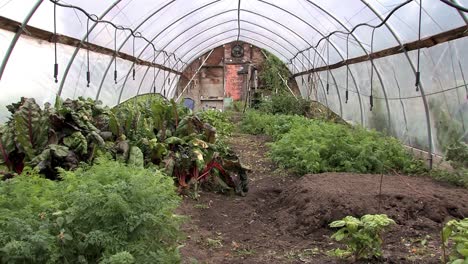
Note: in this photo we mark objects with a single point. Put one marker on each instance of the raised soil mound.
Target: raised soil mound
(314, 201)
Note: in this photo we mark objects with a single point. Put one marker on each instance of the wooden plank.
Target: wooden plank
(40, 34)
(428, 42)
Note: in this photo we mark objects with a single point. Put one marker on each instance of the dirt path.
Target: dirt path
(229, 229)
(284, 218)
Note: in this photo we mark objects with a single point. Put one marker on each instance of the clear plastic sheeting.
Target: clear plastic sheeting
(304, 34)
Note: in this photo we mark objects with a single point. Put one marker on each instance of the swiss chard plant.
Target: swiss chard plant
(362, 237)
(183, 144)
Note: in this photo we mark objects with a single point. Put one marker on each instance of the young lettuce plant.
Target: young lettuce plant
(456, 231)
(363, 237)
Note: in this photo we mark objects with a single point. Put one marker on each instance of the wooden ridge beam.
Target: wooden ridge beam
(428, 42)
(40, 34)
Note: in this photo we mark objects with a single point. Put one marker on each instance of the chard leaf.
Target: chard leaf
(31, 128)
(136, 157)
(7, 145)
(77, 142)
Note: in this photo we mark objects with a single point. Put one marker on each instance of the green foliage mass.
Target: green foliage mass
(106, 213)
(456, 232)
(284, 103)
(457, 156)
(314, 146)
(146, 131)
(362, 236)
(257, 123)
(271, 67)
(220, 120)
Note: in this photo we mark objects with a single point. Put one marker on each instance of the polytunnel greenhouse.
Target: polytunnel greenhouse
(222, 131)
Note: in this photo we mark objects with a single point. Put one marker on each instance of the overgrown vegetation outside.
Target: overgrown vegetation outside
(106, 213)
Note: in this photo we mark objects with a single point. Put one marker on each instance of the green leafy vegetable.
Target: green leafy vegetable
(456, 231)
(363, 237)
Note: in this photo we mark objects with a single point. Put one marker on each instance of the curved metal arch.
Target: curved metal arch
(231, 30)
(295, 33)
(154, 38)
(125, 41)
(67, 69)
(224, 32)
(251, 23)
(341, 111)
(336, 49)
(251, 31)
(308, 43)
(20, 31)
(423, 96)
(462, 14)
(166, 28)
(210, 46)
(362, 47)
(235, 20)
(190, 13)
(167, 44)
(202, 51)
(198, 54)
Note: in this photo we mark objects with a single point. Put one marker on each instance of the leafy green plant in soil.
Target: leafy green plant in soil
(220, 120)
(362, 237)
(314, 146)
(59, 136)
(457, 156)
(456, 233)
(256, 123)
(321, 146)
(106, 213)
(286, 104)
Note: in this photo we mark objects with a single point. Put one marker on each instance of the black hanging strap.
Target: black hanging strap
(134, 63)
(371, 97)
(418, 71)
(328, 65)
(154, 70)
(115, 51)
(56, 67)
(88, 73)
(347, 68)
(166, 58)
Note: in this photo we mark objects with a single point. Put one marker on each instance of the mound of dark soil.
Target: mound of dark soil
(314, 201)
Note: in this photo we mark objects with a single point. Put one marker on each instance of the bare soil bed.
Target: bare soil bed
(284, 218)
